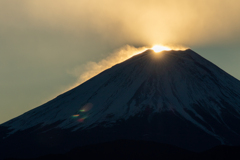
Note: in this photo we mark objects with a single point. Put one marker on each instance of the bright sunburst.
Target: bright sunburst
(158, 48)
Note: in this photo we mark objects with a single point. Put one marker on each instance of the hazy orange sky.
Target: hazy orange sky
(47, 45)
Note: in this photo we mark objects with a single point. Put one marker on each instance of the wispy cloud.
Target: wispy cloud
(91, 69)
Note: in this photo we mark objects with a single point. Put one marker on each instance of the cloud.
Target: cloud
(91, 69)
(137, 22)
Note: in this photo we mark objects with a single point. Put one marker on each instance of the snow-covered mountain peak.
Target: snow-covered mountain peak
(162, 81)
(172, 95)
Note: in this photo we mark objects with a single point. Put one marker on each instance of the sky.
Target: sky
(48, 47)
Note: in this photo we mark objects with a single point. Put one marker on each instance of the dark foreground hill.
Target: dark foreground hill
(142, 150)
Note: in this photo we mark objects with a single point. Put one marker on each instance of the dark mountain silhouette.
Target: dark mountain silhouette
(175, 97)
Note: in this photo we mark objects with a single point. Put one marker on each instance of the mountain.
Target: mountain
(174, 97)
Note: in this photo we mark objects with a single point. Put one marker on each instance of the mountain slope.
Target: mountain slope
(175, 97)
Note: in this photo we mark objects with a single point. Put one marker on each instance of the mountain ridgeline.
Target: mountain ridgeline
(174, 97)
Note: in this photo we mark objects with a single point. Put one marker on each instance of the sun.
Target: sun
(158, 48)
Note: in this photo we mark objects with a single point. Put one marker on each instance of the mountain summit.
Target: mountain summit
(173, 97)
